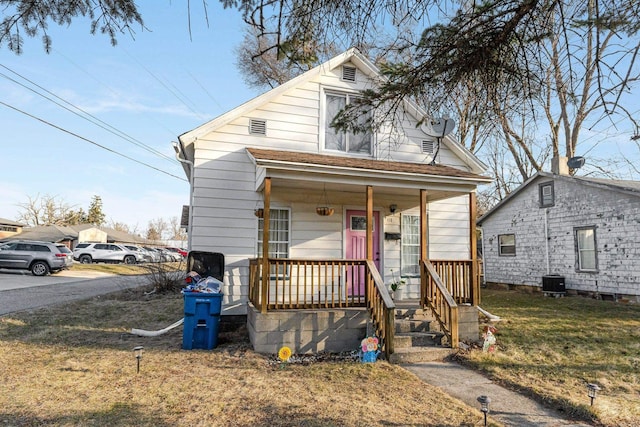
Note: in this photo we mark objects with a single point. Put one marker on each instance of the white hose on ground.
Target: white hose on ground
(489, 315)
(143, 333)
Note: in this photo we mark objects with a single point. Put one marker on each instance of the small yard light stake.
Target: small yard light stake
(138, 351)
(592, 391)
(484, 406)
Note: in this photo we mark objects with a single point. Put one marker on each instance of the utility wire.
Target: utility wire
(102, 124)
(160, 124)
(90, 141)
(164, 85)
(206, 91)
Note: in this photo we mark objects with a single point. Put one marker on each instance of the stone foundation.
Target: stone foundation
(307, 331)
(468, 325)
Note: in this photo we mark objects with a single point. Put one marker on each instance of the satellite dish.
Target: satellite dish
(440, 127)
(576, 162)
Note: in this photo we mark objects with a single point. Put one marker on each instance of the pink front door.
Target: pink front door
(356, 247)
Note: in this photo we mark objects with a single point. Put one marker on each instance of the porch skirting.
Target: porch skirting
(307, 331)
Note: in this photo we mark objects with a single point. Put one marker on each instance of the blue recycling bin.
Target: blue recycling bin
(201, 320)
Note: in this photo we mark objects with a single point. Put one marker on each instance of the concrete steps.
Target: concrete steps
(417, 336)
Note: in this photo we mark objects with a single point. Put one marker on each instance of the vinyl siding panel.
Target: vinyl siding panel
(225, 194)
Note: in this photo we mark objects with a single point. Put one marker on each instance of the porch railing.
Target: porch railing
(457, 276)
(435, 295)
(324, 284)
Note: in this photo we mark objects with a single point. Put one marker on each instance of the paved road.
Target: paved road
(24, 291)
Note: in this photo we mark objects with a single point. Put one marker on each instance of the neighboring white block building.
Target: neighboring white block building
(586, 230)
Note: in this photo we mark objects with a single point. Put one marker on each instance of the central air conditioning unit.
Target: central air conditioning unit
(553, 283)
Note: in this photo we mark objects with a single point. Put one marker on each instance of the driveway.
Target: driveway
(20, 291)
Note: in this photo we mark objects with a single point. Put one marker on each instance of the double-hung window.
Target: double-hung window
(278, 233)
(547, 195)
(507, 244)
(410, 245)
(279, 236)
(586, 259)
(348, 142)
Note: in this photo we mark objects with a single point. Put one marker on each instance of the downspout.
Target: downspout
(179, 149)
(546, 239)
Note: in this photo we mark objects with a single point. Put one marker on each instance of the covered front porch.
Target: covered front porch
(323, 294)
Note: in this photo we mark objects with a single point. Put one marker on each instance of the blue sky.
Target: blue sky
(152, 87)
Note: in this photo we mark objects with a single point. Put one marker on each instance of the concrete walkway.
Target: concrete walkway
(507, 407)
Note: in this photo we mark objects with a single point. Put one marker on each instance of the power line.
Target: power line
(102, 124)
(177, 96)
(161, 124)
(90, 141)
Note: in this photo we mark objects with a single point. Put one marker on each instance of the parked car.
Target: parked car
(88, 253)
(155, 255)
(40, 258)
(69, 254)
(142, 255)
(180, 251)
(170, 256)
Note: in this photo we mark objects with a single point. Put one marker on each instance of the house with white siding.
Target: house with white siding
(562, 233)
(314, 224)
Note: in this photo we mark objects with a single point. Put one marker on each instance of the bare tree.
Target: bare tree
(157, 229)
(47, 210)
(119, 226)
(176, 232)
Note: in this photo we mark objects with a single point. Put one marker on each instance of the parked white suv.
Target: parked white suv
(87, 253)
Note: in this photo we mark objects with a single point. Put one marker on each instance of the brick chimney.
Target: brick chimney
(559, 166)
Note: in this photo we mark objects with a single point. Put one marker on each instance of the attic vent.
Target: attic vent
(428, 146)
(348, 73)
(257, 127)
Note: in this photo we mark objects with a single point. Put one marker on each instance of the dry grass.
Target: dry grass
(125, 269)
(73, 365)
(552, 348)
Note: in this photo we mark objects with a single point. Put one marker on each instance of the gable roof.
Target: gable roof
(631, 188)
(46, 233)
(353, 56)
(5, 221)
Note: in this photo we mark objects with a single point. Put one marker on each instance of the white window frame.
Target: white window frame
(501, 245)
(410, 245)
(326, 121)
(541, 190)
(273, 230)
(581, 251)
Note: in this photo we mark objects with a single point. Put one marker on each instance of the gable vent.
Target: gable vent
(428, 146)
(257, 127)
(348, 73)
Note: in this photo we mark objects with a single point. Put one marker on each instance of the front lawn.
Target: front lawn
(553, 347)
(74, 365)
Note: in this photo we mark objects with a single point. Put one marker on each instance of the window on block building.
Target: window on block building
(547, 195)
(586, 257)
(507, 244)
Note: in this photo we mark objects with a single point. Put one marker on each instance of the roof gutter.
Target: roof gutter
(181, 157)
